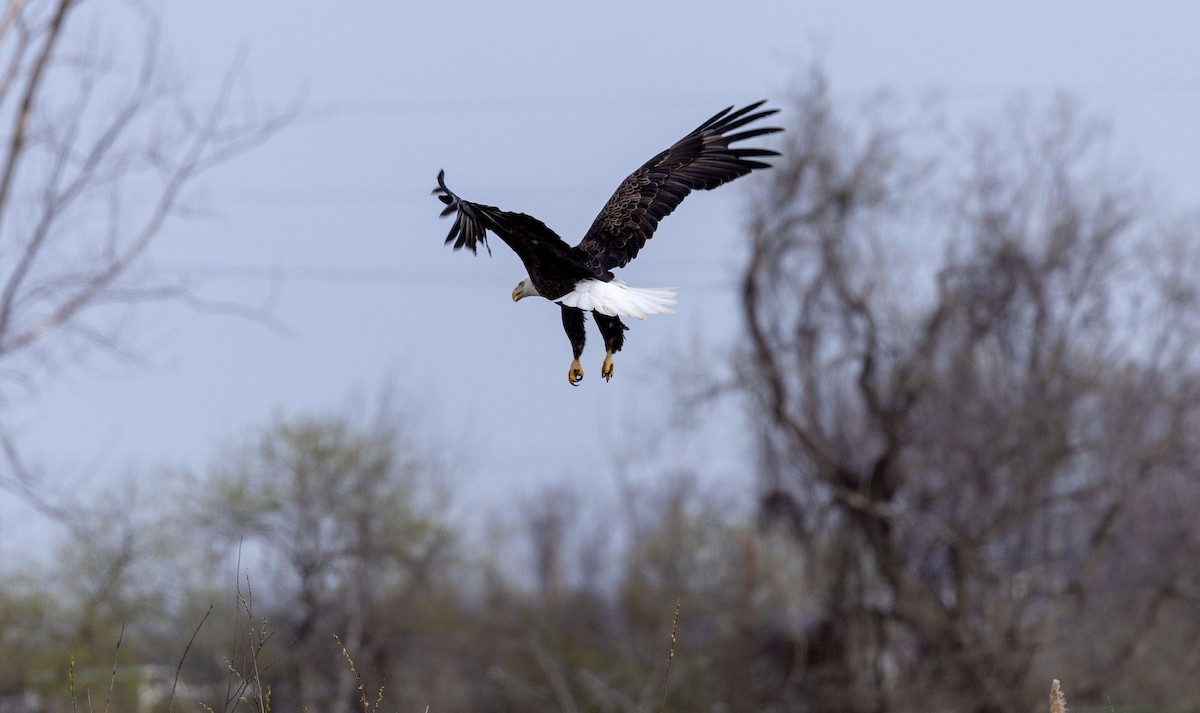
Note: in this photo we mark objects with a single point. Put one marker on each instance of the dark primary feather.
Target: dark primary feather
(702, 160)
(553, 266)
(471, 223)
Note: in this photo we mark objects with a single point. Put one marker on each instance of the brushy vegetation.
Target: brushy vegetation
(971, 385)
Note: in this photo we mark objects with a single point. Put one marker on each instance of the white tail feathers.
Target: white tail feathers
(616, 299)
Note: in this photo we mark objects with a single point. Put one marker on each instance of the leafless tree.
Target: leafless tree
(603, 642)
(99, 146)
(974, 366)
(548, 519)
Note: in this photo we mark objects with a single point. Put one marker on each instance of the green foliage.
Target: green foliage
(942, 517)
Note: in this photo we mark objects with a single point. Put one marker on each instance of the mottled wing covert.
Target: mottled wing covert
(702, 160)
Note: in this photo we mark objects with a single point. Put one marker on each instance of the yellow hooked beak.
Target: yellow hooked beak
(517, 294)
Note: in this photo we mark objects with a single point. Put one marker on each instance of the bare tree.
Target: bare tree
(975, 376)
(603, 642)
(99, 148)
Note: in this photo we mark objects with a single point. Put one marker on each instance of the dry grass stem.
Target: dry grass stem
(362, 691)
(670, 655)
(1058, 702)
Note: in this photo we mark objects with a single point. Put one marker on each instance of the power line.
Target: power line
(540, 104)
(308, 196)
(370, 275)
(322, 273)
(641, 104)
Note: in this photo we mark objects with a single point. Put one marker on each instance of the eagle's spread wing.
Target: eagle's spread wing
(473, 220)
(545, 255)
(702, 160)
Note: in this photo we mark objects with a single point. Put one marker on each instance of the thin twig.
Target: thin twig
(112, 681)
(186, 649)
(670, 655)
(71, 684)
(554, 676)
(10, 16)
(20, 130)
(362, 691)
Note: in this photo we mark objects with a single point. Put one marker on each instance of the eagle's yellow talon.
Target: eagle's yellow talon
(575, 375)
(606, 369)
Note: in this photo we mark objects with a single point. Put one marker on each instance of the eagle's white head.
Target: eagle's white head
(524, 288)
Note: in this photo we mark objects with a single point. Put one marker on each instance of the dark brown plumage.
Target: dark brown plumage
(702, 160)
(553, 266)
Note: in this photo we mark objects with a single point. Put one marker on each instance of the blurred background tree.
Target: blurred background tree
(969, 374)
(344, 526)
(100, 145)
(974, 377)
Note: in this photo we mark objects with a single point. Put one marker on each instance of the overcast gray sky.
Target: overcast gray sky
(540, 107)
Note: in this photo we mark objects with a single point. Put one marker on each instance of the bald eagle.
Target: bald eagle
(580, 278)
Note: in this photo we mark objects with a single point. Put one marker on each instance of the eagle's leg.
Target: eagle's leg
(613, 331)
(573, 324)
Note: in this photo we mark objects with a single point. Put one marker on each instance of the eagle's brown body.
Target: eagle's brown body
(702, 160)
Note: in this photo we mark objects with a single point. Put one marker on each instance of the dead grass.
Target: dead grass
(1058, 702)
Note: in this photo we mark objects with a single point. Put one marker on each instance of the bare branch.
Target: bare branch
(23, 482)
(963, 453)
(33, 85)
